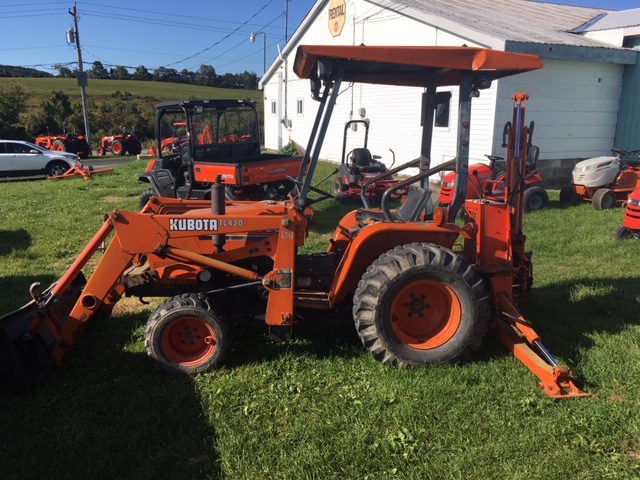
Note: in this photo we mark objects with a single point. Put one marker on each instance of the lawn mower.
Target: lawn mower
(358, 166)
(421, 290)
(488, 181)
(604, 181)
(631, 222)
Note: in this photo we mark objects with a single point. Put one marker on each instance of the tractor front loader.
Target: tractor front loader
(422, 290)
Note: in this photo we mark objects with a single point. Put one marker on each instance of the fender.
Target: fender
(373, 240)
(161, 180)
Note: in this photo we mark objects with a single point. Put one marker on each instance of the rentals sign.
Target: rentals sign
(337, 16)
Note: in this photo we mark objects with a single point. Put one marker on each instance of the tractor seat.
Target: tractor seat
(409, 211)
(363, 162)
(532, 156)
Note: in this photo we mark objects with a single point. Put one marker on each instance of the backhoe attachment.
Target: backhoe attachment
(517, 334)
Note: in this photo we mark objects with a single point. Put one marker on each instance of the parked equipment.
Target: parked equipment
(220, 138)
(67, 142)
(488, 181)
(631, 222)
(421, 291)
(358, 166)
(604, 181)
(120, 144)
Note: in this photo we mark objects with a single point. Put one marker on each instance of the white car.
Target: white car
(19, 158)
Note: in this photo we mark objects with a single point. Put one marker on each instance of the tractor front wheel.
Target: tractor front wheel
(185, 335)
(59, 146)
(603, 199)
(420, 304)
(535, 198)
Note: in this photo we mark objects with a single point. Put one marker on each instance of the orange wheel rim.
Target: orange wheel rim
(188, 341)
(425, 314)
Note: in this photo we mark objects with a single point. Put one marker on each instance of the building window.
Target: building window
(274, 109)
(443, 103)
(299, 105)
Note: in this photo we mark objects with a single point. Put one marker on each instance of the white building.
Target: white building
(575, 98)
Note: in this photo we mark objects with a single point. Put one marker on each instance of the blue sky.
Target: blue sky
(165, 33)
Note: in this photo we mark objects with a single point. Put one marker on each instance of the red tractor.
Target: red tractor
(120, 144)
(488, 181)
(631, 222)
(67, 142)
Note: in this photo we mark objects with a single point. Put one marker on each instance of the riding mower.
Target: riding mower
(630, 227)
(358, 166)
(487, 181)
(604, 181)
(421, 290)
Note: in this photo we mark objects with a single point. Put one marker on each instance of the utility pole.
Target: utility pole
(82, 76)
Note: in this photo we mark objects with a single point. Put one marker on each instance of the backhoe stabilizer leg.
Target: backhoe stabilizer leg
(517, 334)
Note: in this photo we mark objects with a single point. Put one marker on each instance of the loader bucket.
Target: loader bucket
(29, 334)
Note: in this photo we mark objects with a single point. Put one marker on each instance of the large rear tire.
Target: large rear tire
(116, 147)
(420, 304)
(185, 335)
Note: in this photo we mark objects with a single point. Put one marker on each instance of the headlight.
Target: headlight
(448, 184)
(634, 202)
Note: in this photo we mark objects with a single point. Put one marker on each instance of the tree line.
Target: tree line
(57, 115)
(205, 76)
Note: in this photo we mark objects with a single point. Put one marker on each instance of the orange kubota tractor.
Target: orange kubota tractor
(120, 144)
(67, 142)
(422, 290)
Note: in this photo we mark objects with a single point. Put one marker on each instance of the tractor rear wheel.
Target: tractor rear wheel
(419, 304)
(185, 335)
(535, 198)
(603, 199)
(116, 147)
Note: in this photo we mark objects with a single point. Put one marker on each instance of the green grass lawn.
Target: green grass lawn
(319, 406)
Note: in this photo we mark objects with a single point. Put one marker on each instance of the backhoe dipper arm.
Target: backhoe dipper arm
(519, 336)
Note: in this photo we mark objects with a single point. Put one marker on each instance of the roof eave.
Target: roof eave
(574, 53)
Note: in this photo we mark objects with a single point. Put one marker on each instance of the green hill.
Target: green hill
(148, 93)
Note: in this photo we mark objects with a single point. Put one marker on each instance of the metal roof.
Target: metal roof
(623, 19)
(505, 20)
